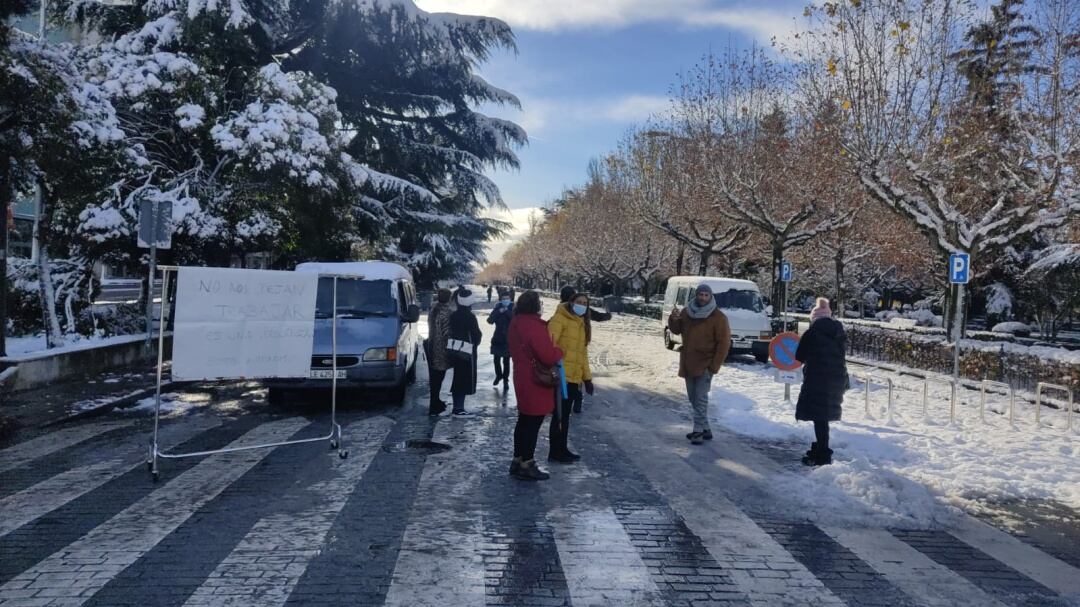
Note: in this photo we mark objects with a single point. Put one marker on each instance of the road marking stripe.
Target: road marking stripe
(440, 561)
(44, 497)
(730, 536)
(911, 571)
(1051, 572)
(35, 448)
(121, 541)
(268, 562)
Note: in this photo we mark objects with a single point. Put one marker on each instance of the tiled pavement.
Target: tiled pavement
(642, 520)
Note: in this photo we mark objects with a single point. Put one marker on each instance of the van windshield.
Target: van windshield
(740, 299)
(355, 298)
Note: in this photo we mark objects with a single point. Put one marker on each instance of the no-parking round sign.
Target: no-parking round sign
(782, 351)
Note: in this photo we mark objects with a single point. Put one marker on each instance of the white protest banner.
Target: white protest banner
(234, 323)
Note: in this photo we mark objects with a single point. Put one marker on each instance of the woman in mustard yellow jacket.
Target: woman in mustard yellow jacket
(571, 331)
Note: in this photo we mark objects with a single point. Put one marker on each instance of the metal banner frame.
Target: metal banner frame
(334, 436)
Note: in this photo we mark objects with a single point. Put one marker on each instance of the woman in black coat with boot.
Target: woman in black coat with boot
(465, 336)
(500, 346)
(821, 350)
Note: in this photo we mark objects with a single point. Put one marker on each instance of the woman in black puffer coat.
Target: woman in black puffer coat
(825, 379)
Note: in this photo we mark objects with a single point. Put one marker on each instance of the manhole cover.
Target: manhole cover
(416, 446)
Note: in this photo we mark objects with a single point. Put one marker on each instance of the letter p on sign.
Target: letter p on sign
(959, 268)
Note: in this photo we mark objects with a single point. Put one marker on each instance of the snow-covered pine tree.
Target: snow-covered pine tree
(407, 89)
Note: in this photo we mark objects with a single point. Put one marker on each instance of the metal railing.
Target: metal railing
(1038, 402)
(986, 383)
(868, 379)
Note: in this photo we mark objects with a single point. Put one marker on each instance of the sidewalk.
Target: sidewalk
(32, 410)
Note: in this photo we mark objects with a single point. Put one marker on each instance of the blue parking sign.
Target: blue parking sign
(785, 271)
(959, 268)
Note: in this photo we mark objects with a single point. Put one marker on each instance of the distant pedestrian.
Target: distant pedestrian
(500, 347)
(534, 356)
(825, 378)
(594, 315)
(571, 331)
(489, 293)
(706, 338)
(465, 336)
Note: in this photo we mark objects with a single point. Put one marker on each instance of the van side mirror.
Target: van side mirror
(412, 314)
(769, 310)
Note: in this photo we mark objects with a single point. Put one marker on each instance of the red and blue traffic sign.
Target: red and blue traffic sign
(782, 351)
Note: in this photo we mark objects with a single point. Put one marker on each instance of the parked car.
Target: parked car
(739, 300)
(378, 339)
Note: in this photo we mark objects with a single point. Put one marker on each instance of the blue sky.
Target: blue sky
(587, 70)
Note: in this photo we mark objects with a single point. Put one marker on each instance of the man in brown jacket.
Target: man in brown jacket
(706, 339)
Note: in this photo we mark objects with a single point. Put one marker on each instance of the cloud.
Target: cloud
(540, 114)
(552, 15)
(520, 220)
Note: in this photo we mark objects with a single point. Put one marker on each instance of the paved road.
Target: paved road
(423, 513)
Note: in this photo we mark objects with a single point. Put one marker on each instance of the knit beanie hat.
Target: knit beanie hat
(465, 297)
(821, 309)
(703, 288)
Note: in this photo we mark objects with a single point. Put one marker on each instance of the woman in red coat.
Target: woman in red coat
(530, 344)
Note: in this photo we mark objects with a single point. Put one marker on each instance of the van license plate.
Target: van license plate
(742, 343)
(326, 374)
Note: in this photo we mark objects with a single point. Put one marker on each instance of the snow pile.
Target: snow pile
(171, 403)
(903, 469)
(924, 318)
(1013, 328)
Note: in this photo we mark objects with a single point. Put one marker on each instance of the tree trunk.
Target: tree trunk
(777, 294)
(703, 263)
(680, 259)
(54, 337)
(839, 259)
(5, 204)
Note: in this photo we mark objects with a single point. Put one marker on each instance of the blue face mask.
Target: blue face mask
(505, 302)
(580, 310)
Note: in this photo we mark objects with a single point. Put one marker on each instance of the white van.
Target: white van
(739, 300)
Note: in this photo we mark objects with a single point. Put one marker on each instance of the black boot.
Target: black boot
(823, 458)
(498, 378)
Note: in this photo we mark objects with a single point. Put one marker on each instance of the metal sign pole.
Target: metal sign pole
(959, 329)
(153, 272)
(335, 428)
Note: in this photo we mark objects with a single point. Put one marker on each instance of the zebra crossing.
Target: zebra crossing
(640, 521)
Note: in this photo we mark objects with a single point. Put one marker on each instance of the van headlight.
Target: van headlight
(380, 355)
(765, 335)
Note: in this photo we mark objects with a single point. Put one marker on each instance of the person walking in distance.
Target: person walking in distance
(825, 378)
(571, 331)
(500, 348)
(435, 349)
(534, 356)
(706, 341)
(489, 293)
(465, 336)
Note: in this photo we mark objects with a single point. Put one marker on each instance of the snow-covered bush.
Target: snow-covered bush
(887, 315)
(1013, 328)
(924, 317)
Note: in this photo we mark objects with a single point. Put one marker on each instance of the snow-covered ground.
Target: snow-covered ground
(912, 470)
